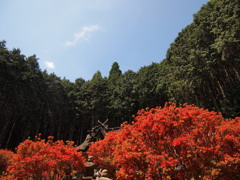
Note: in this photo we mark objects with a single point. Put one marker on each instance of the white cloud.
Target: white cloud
(49, 64)
(84, 34)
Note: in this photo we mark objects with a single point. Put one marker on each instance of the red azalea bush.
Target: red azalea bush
(173, 143)
(5, 159)
(45, 160)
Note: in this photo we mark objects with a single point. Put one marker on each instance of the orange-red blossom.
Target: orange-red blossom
(173, 143)
(45, 160)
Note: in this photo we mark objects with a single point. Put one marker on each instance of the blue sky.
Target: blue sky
(76, 38)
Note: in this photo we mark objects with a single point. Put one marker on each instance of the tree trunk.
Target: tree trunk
(10, 135)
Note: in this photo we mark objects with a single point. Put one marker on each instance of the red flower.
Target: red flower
(173, 143)
(45, 159)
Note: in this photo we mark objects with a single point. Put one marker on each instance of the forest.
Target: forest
(201, 67)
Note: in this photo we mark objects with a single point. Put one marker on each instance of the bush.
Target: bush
(45, 160)
(5, 159)
(173, 143)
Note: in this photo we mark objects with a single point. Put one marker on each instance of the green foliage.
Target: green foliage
(115, 72)
(202, 67)
(203, 62)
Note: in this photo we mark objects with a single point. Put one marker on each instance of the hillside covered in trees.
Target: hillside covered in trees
(202, 67)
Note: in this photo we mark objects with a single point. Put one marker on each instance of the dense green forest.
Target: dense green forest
(202, 67)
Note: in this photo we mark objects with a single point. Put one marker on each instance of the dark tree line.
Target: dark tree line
(203, 64)
(202, 67)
